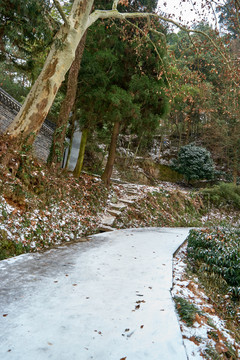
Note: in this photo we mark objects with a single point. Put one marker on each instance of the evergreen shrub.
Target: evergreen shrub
(194, 162)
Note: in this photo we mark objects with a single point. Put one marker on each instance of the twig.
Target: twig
(61, 12)
(115, 4)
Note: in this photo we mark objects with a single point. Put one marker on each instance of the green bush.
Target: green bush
(217, 251)
(194, 162)
(223, 194)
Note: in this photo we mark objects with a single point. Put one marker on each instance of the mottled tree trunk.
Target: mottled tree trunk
(111, 155)
(66, 106)
(29, 120)
(79, 164)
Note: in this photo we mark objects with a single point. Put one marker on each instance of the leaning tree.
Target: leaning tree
(62, 53)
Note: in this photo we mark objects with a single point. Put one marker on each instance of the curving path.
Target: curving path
(107, 299)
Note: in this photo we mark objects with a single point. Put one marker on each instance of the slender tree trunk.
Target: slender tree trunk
(66, 106)
(180, 139)
(79, 164)
(189, 124)
(111, 155)
(71, 133)
(30, 118)
(127, 152)
(136, 152)
(160, 147)
(235, 166)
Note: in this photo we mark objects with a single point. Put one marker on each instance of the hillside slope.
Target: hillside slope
(42, 208)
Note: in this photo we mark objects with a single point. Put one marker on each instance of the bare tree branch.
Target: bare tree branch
(61, 12)
(115, 4)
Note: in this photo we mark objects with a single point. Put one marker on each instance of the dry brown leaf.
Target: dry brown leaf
(221, 348)
(193, 339)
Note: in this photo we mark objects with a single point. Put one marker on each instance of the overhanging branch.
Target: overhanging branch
(115, 14)
(61, 12)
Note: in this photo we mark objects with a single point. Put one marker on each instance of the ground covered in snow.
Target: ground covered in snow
(42, 209)
(105, 299)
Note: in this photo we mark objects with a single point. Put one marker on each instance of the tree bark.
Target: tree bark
(30, 118)
(71, 133)
(79, 164)
(66, 106)
(111, 155)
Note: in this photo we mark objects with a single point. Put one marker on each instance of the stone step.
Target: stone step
(131, 197)
(118, 206)
(108, 220)
(113, 212)
(132, 192)
(105, 228)
(127, 201)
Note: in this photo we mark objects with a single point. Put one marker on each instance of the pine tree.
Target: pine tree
(26, 29)
(121, 83)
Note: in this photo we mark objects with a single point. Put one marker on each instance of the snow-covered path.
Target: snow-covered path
(107, 299)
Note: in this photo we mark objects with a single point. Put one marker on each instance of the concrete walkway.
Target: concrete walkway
(107, 299)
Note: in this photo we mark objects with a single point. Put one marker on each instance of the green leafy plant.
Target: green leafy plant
(194, 162)
(217, 252)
